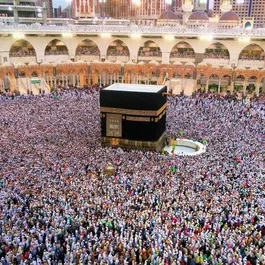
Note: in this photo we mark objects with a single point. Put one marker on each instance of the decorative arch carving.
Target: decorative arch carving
(131, 69)
(150, 69)
(100, 68)
(239, 75)
(189, 70)
(226, 72)
(247, 73)
(72, 68)
(46, 69)
(203, 70)
(23, 69)
(262, 75)
(215, 71)
(7, 70)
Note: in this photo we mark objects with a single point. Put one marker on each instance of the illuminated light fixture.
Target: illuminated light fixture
(105, 35)
(206, 37)
(67, 35)
(209, 37)
(9, 8)
(136, 2)
(169, 37)
(18, 35)
(136, 36)
(244, 39)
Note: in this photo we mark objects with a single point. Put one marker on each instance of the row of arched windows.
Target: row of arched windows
(118, 49)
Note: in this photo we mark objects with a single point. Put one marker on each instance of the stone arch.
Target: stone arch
(87, 50)
(118, 51)
(47, 70)
(252, 52)
(213, 82)
(177, 74)
(56, 47)
(47, 74)
(240, 77)
(247, 25)
(22, 51)
(226, 81)
(217, 50)
(22, 74)
(239, 83)
(188, 75)
(22, 48)
(149, 51)
(34, 74)
(201, 81)
(252, 78)
(252, 81)
(182, 51)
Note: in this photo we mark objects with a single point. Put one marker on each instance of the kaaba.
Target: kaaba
(133, 116)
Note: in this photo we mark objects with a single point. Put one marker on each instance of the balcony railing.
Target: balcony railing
(128, 29)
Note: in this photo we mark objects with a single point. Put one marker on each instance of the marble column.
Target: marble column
(55, 82)
(207, 86)
(257, 88)
(196, 84)
(232, 86)
(27, 84)
(182, 85)
(219, 87)
(78, 81)
(74, 79)
(244, 88)
(62, 80)
(165, 57)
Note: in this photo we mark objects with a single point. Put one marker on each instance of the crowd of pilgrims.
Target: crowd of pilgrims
(57, 205)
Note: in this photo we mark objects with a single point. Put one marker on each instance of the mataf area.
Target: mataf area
(58, 207)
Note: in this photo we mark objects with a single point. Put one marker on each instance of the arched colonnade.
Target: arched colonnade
(206, 77)
(54, 50)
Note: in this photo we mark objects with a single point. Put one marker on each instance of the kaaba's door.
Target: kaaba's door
(114, 125)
